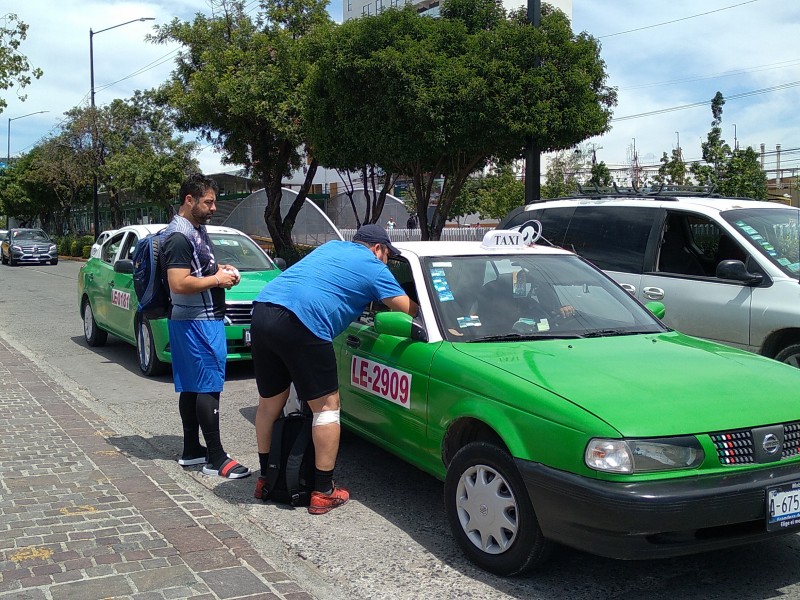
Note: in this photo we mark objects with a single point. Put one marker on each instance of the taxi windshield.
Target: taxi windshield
(527, 296)
(239, 251)
(773, 232)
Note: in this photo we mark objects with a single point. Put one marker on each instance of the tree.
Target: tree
(672, 170)
(731, 173)
(238, 82)
(561, 178)
(134, 149)
(24, 195)
(439, 99)
(600, 175)
(15, 70)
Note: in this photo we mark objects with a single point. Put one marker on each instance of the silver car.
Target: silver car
(28, 246)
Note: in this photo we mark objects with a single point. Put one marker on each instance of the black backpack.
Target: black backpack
(290, 476)
(150, 277)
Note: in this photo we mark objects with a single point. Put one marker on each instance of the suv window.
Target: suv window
(555, 222)
(613, 238)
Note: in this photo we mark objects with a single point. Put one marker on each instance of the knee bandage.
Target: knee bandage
(326, 417)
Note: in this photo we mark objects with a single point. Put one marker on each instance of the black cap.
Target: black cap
(374, 234)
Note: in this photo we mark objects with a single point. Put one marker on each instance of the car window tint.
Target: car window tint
(614, 239)
(554, 222)
(129, 245)
(401, 270)
(689, 245)
(110, 248)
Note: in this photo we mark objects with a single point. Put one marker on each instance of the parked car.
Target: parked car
(98, 243)
(28, 246)
(727, 269)
(557, 408)
(108, 304)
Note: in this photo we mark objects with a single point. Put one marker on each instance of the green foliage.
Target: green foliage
(65, 245)
(672, 170)
(561, 177)
(76, 249)
(438, 99)
(15, 70)
(736, 173)
(87, 251)
(492, 196)
(600, 175)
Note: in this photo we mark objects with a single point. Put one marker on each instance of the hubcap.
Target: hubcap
(487, 509)
(793, 359)
(144, 346)
(88, 321)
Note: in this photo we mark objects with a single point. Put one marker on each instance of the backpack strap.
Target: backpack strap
(275, 454)
(295, 459)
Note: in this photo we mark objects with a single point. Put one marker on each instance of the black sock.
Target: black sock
(208, 417)
(323, 481)
(263, 461)
(187, 406)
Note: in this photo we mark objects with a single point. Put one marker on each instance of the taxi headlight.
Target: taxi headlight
(642, 456)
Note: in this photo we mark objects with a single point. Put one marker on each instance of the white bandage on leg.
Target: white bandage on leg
(326, 417)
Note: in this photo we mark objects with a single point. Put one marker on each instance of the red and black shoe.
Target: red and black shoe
(230, 469)
(322, 503)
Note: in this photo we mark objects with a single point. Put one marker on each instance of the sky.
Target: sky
(661, 57)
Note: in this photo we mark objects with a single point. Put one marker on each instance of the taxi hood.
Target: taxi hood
(250, 285)
(651, 384)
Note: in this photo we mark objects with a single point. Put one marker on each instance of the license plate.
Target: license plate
(783, 506)
(246, 337)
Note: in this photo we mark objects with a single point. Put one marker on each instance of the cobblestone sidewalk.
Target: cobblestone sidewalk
(81, 520)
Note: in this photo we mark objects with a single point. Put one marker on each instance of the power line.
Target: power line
(677, 20)
(661, 111)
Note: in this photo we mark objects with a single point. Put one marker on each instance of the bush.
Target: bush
(76, 248)
(65, 245)
(87, 250)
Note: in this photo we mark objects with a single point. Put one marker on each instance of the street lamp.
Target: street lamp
(8, 150)
(95, 202)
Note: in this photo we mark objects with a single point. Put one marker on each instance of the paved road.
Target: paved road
(392, 540)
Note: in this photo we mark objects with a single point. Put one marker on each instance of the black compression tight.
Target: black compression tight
(202, 410)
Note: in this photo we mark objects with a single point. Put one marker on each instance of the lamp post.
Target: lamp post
(95, 201)
(8, 150)
(533, 158)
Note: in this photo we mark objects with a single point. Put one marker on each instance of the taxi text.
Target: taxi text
(121, 299)
(383, 381)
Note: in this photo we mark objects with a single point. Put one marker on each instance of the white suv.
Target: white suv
(727, 269)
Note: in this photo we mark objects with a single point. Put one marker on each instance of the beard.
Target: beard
(201, 217)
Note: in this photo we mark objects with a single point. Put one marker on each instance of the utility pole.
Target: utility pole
(533, 158)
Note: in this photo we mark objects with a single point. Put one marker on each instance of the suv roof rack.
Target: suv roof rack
(664, 191)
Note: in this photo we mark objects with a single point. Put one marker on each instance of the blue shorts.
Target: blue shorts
(198, 351)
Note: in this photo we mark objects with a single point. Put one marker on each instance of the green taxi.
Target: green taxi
(108, 303)
(558, 409)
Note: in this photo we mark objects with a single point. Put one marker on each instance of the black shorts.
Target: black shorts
(285, 352)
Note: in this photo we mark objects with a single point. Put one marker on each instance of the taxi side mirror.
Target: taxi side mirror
(657, 308)
(401, 325)
(124, 265)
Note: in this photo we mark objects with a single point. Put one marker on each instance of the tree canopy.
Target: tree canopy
(15, 70)
(441, 98)
(238, 82)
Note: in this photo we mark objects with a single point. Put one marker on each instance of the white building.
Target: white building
(358, 8)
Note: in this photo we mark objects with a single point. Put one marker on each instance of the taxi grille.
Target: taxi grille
(737, 447)
(238, 312)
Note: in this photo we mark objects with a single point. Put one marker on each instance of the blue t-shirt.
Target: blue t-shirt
(331, 286)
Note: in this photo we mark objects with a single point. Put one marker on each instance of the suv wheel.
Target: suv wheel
(490, 513)
(149, 364)
(790, 355)
(93, 334)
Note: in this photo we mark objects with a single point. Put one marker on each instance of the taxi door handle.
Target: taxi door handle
(653, 293)
(111, 283)
(353, 341)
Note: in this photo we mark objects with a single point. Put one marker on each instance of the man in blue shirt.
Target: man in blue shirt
(295, 318)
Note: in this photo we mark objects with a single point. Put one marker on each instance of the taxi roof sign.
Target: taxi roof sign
(503, 239)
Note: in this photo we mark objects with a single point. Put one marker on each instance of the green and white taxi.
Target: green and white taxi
(557, 408)
(108, 303)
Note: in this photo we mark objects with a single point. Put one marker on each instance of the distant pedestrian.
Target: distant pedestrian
(295, 318)
(196, 329)
(390, 224)
(412, 222)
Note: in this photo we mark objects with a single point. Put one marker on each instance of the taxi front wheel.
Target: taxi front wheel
(490, 513)
(93, 334)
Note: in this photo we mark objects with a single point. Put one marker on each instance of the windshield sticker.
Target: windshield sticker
(442, 289)
(378, 379)
(436, 272)
(442, 264)
(121, 299)
(469, 321)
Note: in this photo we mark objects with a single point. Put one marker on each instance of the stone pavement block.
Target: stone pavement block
(205, 560)
(233, 582)
(102, 587)
(158, 579)
(191, 539)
